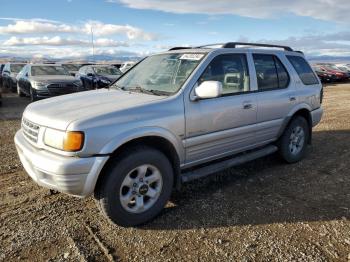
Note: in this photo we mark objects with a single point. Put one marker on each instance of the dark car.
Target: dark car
(9, 74)
(98, 76)
(1, 67)
(73, 69)
(46, 80)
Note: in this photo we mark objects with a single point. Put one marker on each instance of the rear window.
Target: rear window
(303, 69)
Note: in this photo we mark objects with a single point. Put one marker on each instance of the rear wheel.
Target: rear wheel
(293, 142)
(136, 188)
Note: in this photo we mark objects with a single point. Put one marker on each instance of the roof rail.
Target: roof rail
(235, 44)
(179, 48)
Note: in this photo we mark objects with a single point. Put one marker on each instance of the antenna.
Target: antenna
(92, 44)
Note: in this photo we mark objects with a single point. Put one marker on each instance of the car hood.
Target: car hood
(59, 112)
(52, 78)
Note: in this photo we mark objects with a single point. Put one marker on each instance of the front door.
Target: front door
(225, 125)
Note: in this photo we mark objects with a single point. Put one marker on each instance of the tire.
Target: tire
(33, 96)
(293, 142)
(13, 87)
(19, 92)
(114, 186)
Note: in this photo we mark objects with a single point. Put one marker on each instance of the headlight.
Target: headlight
(67, 141)
(77, 83)
(38, 85)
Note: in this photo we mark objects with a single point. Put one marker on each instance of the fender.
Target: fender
(130, 135)
(291, 113)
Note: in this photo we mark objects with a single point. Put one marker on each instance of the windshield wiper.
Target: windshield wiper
(139, 89)
(145, 91)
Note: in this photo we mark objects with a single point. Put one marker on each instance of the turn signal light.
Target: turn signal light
(73, 141)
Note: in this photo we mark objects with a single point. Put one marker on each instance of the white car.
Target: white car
(126, 66)
(343, 67)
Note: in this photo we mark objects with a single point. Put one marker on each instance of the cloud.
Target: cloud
(334, 10)
(132, 33)
(59, 41)
(42, 26)
(36, 27)
(313, 44)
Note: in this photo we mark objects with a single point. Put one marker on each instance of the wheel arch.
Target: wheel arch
(303, 111)
(153, 140)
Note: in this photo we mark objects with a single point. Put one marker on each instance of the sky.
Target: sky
(125, 28)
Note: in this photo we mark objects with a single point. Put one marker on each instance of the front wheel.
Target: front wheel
(293, 142)
(19, 92)
(33, 96)
(136, 188)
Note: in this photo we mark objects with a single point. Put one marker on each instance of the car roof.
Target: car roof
(45, 64)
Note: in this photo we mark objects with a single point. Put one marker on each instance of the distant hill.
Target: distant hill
(344, 59)
(132, 57)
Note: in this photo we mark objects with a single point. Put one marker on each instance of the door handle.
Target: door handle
(247, 105)
(292, 98)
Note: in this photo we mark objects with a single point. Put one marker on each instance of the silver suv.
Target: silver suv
(174, 117)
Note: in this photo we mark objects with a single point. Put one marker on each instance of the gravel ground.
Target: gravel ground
(264, 210)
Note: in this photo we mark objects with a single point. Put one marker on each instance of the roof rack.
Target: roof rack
(235, 44)
(179, 48)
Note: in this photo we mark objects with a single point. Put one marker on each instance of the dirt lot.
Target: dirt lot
(263, 211)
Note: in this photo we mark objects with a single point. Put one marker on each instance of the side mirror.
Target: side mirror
(208, 89)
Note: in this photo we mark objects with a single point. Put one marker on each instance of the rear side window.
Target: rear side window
(303, 69)
(270, 72)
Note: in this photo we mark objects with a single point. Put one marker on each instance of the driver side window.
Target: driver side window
(231, 70)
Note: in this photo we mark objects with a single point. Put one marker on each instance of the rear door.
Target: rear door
(221, 126)
(276, 95)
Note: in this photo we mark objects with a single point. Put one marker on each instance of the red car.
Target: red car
(332, 69)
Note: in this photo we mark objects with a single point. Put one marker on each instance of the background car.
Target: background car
(46, 80)
(9, 74)
(333, 70)
(343, 67)
(72, 68)
(323, 75)
(1, 68)
(126, 66)
(98, 76)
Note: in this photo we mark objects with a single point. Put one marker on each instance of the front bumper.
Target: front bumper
(71, 175)
(316, 116)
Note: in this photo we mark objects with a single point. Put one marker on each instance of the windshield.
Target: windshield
(107, 70)
(15, 68)
(164, 73)
(71, 67)
(48, 70)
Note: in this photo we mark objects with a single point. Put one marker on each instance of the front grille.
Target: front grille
(30, 130)
(62, 88)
